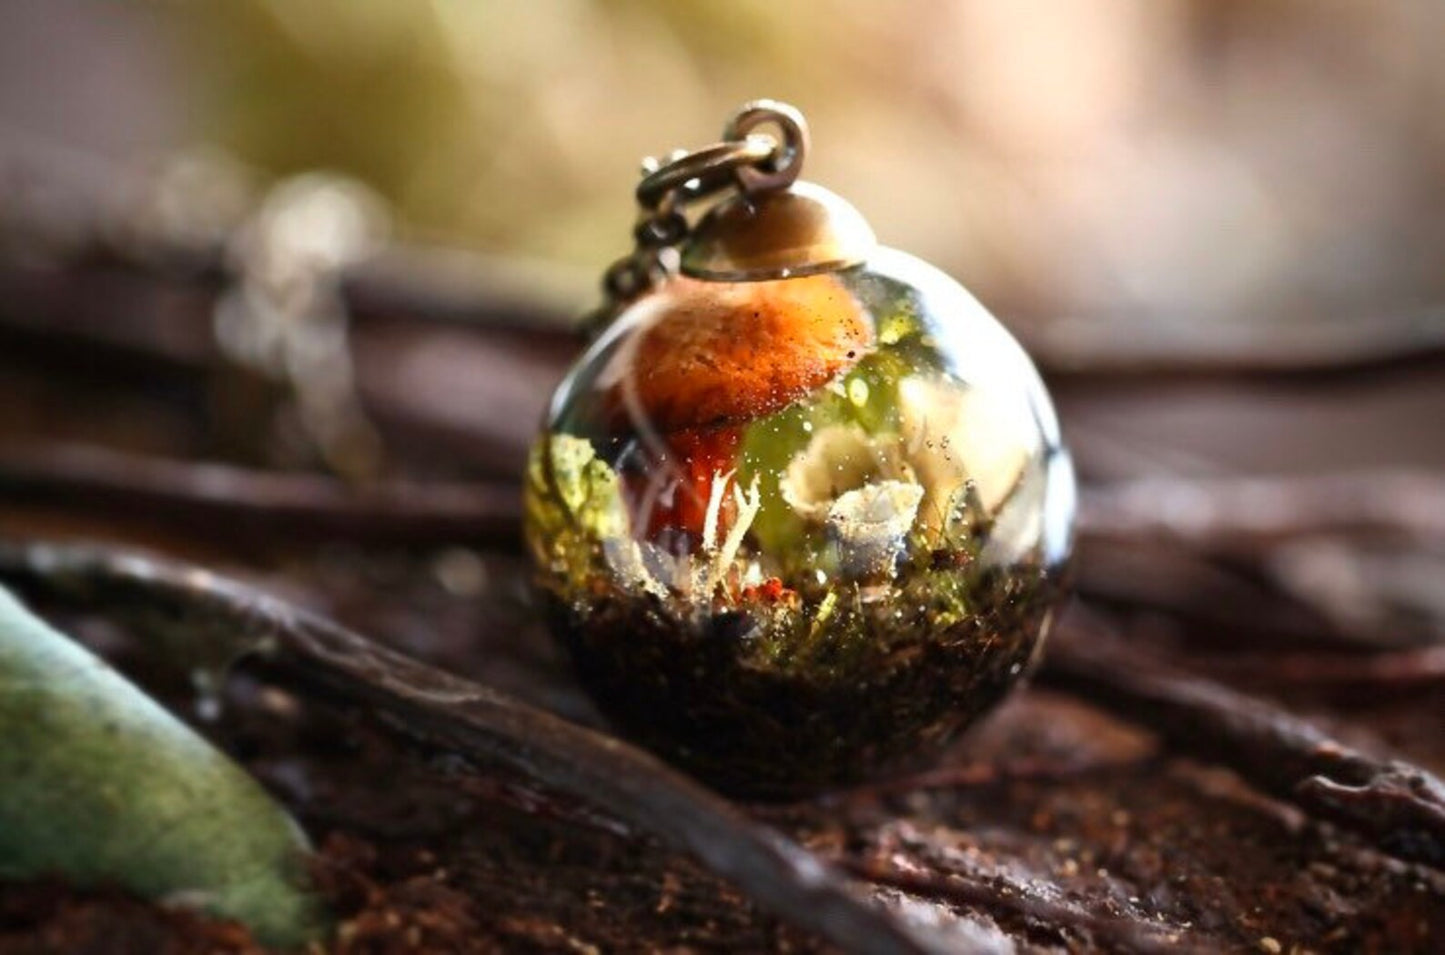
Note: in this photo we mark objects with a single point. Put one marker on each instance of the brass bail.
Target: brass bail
(802, 230)
(775, 227)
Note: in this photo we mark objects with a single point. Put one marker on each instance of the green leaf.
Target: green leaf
(101, 785)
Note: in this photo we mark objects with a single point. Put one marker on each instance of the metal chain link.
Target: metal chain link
(752, 164)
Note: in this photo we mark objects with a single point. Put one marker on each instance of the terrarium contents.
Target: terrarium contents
(799, 529)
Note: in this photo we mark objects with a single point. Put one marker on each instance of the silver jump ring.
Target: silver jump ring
(625, 279)
(704, 170)
(787, 161)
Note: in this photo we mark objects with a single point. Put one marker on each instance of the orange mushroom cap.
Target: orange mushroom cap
(714, 353)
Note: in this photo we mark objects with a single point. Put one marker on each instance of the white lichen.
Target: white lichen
(952, 436)
(870, 527)
(965, 450)
(839, 458)
(625, 557)
(714, 508)
(748, 506)
(714, 562)
(691, 577)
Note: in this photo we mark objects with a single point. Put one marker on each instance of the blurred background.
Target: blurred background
(1183, 161)
(1217, 225)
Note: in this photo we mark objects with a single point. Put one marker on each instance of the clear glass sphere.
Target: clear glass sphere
(799, 532)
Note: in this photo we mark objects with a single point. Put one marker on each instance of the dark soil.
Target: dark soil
(888, 701)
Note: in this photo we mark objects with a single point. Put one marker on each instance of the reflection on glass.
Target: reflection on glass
(796, 532)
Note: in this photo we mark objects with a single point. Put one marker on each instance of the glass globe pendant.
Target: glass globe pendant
(800, 511)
